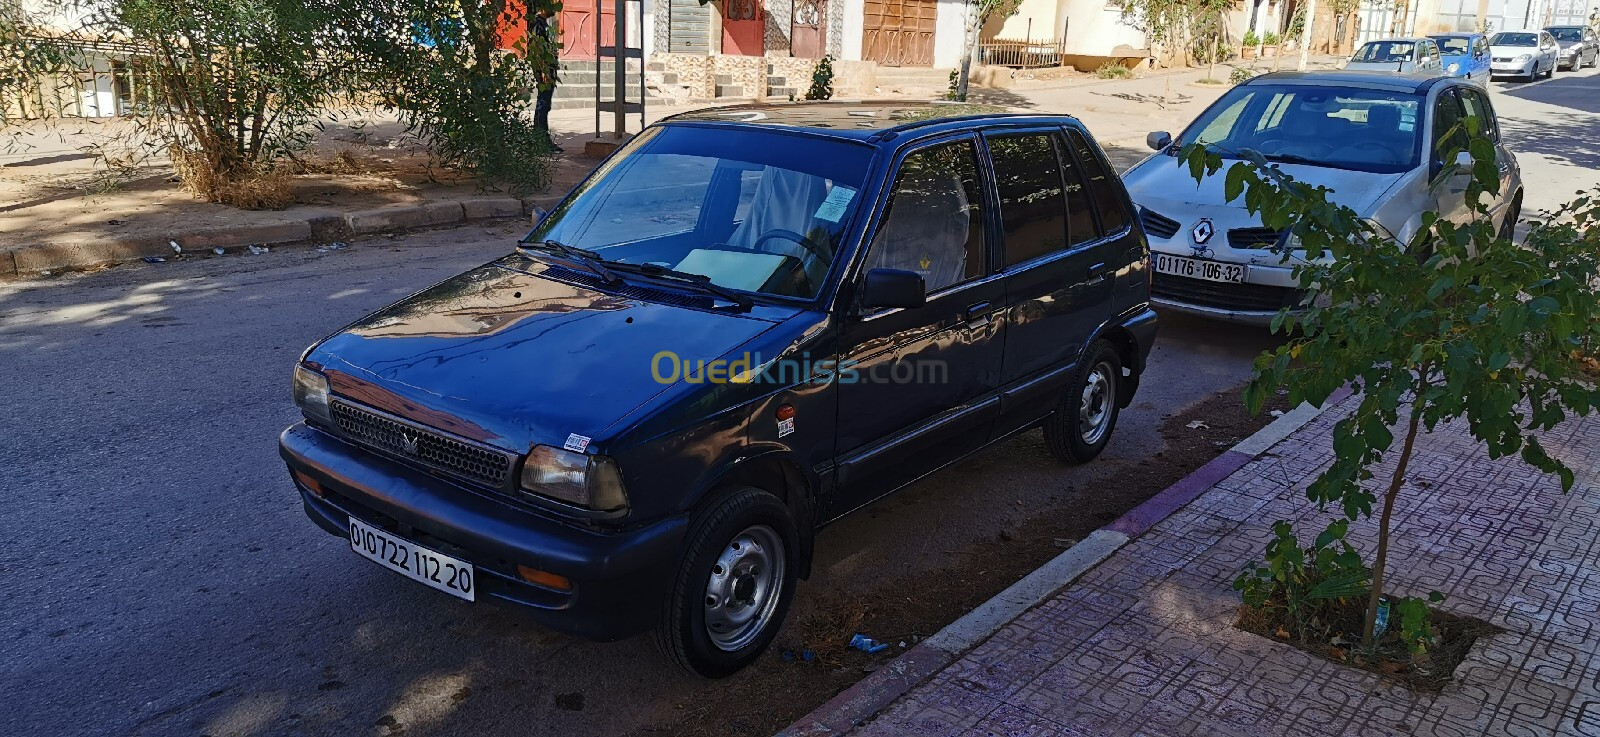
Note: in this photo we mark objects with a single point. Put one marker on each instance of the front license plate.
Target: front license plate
(440, 571)
(1196, 268)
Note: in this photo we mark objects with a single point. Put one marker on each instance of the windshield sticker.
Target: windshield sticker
(833, 207)
(1408, 119)
(576, 443)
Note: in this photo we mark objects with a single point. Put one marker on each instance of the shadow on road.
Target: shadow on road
(1577, 93)
(1570, 141)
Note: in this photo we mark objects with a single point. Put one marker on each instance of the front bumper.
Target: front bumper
(1266, 291)
(1513, 69)
(619, 579)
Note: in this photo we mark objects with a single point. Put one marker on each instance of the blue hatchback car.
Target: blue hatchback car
(745, 324)
(1465, 55)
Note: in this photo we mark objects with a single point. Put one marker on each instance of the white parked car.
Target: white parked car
(1373, 138)
(1530, 54)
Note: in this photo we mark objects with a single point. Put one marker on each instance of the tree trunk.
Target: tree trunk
(974, 30)
(1211, 67)
(1305, 34)
(1369, 633)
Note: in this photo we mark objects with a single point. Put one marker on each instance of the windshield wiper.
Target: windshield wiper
(1293, 159)
(698, 281)
(586, 258)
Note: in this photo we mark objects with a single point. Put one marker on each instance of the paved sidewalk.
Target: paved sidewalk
(1144, 644)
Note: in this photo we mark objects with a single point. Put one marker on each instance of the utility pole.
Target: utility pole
(1305, 34)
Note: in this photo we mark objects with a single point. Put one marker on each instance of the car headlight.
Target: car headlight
(1524, 57)
(1454, 68)
(311, 394)
(589, 481)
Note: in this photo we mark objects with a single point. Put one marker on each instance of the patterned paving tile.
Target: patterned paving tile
(1144, 644)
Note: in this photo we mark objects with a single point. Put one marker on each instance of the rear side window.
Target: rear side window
(1478, 107)
(1032, 196)
(1081, 226)
(1105, 189)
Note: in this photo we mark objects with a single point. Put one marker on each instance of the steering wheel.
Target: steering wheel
(789, 235)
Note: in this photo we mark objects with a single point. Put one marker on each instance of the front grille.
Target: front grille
(1253, 237)
(446, 454)
(1245, 297)
(1157, 224)
(1502, 59)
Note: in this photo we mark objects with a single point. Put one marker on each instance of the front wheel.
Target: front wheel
(1083, 420)
(733, 585)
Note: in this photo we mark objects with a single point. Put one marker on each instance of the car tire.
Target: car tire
(733, 585)
(1081, 425)
(1508, 226)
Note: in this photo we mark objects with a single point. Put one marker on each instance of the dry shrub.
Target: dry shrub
(343, 161)
(256, 190)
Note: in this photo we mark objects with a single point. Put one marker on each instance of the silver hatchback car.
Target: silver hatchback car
(1370, 137)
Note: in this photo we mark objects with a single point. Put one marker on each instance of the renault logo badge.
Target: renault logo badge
(1203, 231)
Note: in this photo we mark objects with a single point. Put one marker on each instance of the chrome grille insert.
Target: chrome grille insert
(447, 454)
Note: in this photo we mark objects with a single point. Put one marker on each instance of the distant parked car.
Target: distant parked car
(1465, 55)
(1375, 139)
(1579, 46)
(1527, 54)
(1404, 55)
(747, 323)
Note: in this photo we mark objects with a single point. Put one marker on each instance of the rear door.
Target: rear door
(1058, 267)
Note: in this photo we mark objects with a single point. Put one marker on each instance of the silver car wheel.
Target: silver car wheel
(743, 590)
(1094, 406)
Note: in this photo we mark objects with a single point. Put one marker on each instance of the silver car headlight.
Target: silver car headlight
(1524, 57)
(311, 394)
(589, 481)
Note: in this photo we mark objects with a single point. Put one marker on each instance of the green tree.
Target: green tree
(1458, 322)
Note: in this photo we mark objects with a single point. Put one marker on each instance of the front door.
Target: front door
(744, 26)
(806, 34)
(922, 382)
(899, 33)
(585, 25)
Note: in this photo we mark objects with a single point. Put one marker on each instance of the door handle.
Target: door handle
(977, 315)
(1098, 271)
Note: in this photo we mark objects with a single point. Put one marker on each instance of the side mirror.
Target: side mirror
(1464, 161)
(1158, 140)
(889, 288)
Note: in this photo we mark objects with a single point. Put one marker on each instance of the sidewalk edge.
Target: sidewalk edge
(864, 700)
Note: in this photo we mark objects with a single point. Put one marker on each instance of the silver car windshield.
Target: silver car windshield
(1337, 127)
(1386, 51)
(1514, 39)
(1567, 34)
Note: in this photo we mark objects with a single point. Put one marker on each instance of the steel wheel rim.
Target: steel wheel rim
(743, 588)
(1094, 405)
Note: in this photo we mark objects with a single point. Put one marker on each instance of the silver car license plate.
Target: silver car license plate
(1197, 268)
(429, 568)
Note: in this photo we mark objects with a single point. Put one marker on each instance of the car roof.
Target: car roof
(1463, 34)
(1377, 80)
(1409, 39)
(865, 120)
(1569, 25)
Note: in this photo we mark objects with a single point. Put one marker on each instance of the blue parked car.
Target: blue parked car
(1465, 55)
(747, 323)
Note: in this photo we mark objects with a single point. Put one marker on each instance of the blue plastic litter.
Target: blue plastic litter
(867, 644)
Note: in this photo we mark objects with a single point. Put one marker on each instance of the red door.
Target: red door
(743, 28)
(578, 23)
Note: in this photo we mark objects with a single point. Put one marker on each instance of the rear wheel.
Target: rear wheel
(1508, 227)
(1083, 420)
(733, 586)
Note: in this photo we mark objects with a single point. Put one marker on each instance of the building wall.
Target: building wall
(854, 15)
(1095, 30)
(1033, 19)
(949, 31)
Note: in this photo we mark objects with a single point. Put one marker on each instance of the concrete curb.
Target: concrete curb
(861, 702)
(49, 257)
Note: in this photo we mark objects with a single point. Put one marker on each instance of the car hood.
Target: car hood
(508, 355)
(1512, 51)
(1567, 44)
(1164, 181)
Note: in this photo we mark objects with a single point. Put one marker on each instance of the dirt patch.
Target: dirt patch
(1428, 672)
(811, 662)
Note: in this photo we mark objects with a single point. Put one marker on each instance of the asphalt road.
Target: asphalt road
(161, 578)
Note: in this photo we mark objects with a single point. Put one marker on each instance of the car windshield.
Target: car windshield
(1338, 127)
(1453, 46)
(750, 209)
(1514, 39)
(1386, 51)
(1566, 34)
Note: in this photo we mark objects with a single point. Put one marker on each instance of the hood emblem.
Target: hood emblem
(408, 444)
(1202, 232)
